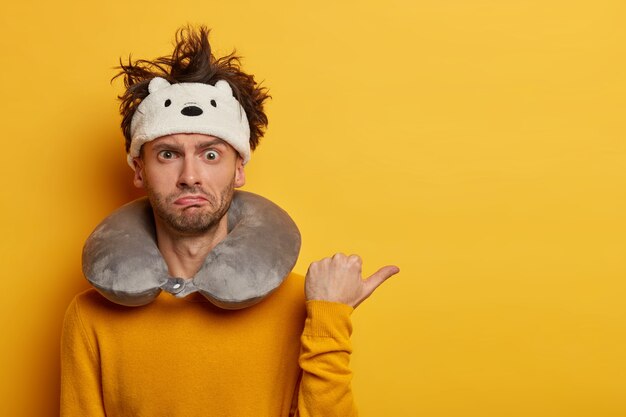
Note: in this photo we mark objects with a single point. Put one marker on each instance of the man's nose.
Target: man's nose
(190, 173)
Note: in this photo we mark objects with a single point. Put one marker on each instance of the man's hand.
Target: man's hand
(339, 279)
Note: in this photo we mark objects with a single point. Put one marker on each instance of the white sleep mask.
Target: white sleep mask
(189, 108)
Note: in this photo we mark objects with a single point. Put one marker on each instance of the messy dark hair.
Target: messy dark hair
(192, 61)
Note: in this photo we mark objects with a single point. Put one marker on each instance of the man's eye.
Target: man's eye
(166, 154)
(211, 155)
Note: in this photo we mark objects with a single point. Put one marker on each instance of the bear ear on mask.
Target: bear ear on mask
(122, 261)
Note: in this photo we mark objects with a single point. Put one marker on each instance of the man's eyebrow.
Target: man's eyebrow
(208, 144)
(166, 145)
(177, 147)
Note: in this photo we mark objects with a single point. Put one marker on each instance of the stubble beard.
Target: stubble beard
(192, 222)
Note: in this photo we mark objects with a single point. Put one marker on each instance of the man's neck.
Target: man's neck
(185, 254)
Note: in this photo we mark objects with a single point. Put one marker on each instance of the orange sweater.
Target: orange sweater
(187, 358)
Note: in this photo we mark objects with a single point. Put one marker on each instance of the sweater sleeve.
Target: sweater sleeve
(81, 390)
(325, 388)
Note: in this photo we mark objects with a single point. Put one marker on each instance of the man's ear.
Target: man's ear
(138, 178)
(240, 173)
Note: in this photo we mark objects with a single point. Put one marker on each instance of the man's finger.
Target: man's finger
(379, 277)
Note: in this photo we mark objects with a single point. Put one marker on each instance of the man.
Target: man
(276, 352)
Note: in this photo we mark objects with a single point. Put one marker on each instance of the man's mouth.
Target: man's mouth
(190, 200)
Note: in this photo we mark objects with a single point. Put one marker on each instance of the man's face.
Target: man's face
(189, 180)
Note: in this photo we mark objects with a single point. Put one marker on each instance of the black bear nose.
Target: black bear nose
(191, 111)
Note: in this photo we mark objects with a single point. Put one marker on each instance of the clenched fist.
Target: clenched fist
(339, 279)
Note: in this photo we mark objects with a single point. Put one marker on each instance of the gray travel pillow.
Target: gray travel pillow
(122, 261)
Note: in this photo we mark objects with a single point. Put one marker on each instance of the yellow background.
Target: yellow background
(479, 145)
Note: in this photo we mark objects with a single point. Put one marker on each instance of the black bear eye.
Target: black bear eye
(213, 103)
(168, 102)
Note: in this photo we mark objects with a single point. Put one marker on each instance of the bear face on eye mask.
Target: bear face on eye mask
(190, 108)
(122, 261)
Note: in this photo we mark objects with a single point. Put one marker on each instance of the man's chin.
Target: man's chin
(192, 227)
(194, 208)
